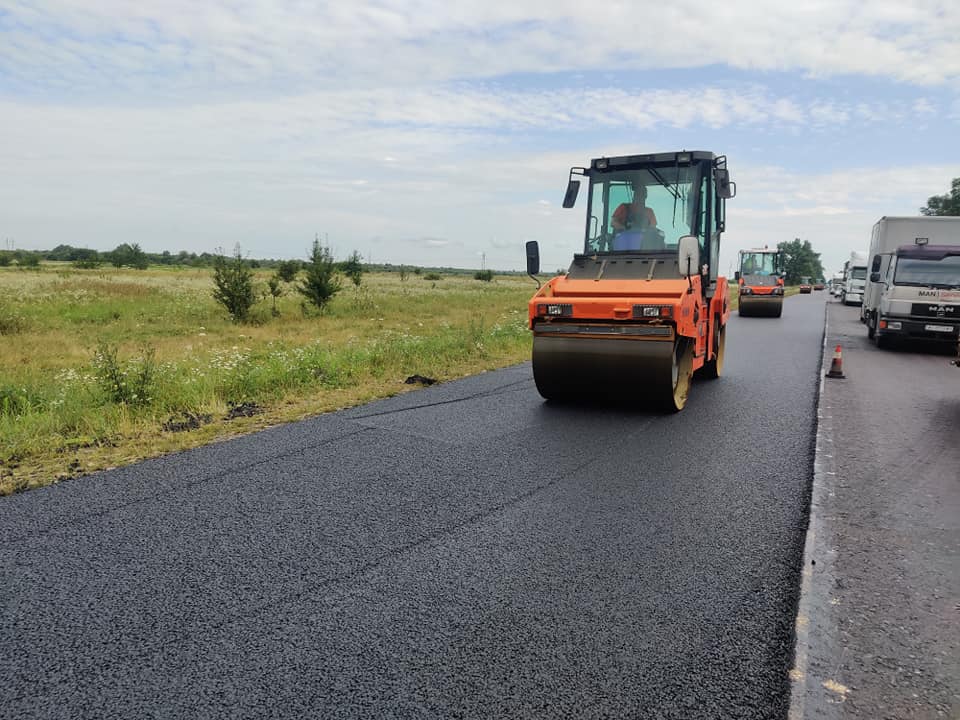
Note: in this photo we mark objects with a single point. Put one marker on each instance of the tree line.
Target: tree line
(124, 255)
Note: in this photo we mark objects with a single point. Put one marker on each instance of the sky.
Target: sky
(441, 133)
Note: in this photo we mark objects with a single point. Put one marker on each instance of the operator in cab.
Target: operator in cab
(635, 214)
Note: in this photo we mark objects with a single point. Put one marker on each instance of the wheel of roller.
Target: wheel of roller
(714, 368)
(675, 395)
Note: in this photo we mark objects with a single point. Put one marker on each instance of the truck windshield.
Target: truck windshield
(858, 273)
(937, 273)
(646, 210)
(757, 263)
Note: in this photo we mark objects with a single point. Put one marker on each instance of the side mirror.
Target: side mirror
(736, 276)
(875, 277)
(726, 188)
(875, 266)
(573, 189)
(688, 256)
(533, 258)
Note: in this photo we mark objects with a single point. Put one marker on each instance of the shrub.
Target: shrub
(485, 275)
(11, 324)
(321, 282)
(26, 259)
(432, 276)
(129, 383)
(234, 285)
(287, 270)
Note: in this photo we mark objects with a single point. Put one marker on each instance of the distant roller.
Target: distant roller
(760, 283)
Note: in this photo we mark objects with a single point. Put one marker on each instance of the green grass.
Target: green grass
(64, 412)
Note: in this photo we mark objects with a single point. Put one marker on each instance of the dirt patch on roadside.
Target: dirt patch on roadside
(186, 421)
(247, 409)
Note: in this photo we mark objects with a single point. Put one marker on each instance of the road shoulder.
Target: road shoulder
(876, 624)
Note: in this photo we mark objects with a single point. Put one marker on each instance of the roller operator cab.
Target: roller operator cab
(760, 283)
(642, 307)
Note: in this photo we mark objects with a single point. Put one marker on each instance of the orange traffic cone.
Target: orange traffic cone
(836, 365)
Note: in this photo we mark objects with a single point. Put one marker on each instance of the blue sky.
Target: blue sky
(433, 133)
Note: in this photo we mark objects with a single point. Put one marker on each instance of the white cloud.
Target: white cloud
(834, 211)
(179, 47)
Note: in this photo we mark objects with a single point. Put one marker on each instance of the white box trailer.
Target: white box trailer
(854, 278)
(913, 288)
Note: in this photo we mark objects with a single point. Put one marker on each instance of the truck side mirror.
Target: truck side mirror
(875, 277)
(570, 198)
(725, 187)
(736, 276)
(875, 267)
(688, 256)
(533, 258)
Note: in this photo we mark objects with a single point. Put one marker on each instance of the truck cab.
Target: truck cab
(918, 294)
(854, 279)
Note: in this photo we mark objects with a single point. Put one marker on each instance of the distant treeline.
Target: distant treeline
(127, 255)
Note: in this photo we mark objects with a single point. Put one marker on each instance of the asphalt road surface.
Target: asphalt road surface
(884, 600)
(465, 550)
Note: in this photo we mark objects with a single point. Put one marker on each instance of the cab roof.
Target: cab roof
(927, 252)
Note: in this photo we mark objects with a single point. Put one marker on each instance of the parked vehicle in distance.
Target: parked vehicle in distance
(854, 278)
(805, 286)
(913, 289)
(819, 285)
(836, 285)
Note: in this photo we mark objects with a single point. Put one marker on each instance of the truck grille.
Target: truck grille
(935, 310)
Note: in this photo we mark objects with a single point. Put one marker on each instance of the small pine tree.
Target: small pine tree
(276, 290)
(137, 258)
(320, 282)
(234, 285)
(353, 268)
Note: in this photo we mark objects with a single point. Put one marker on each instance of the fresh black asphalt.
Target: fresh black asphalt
(465, 550)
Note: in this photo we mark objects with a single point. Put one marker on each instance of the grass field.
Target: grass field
(104, 367)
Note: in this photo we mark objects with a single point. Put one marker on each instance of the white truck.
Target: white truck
(854, 279)
(913, 289)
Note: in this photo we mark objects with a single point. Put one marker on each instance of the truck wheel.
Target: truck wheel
(714, 368)
(883, 342)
